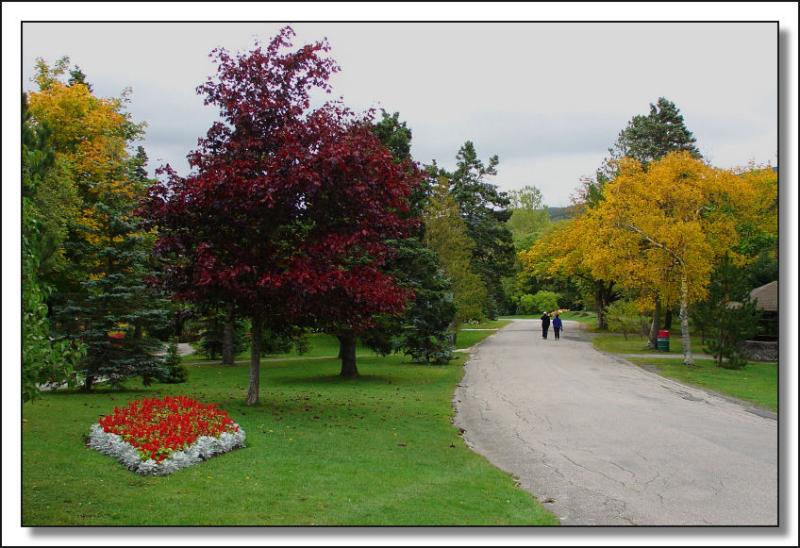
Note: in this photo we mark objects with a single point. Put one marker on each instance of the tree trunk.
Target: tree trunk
(684, 314)
(178, 322)
(600, 304)
(255, 360)
(668, 319)
(227, 337)
(347, 346)
(87, 384)
(452, 328)
(653, 338)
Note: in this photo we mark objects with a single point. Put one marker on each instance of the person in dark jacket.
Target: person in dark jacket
(557, 326)
(545, 324)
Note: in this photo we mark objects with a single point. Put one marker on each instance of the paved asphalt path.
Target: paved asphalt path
(600, 441)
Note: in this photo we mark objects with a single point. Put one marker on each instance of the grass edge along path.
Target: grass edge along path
(616, 343)
(756, 384)
(467, 338)
(321, 450)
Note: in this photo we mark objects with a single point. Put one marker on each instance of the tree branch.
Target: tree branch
(659, 245)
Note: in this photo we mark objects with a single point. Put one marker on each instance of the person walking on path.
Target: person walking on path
(545, 324)
(557, 326)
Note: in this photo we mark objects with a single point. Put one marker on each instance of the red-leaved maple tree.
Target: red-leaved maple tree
(287, 208)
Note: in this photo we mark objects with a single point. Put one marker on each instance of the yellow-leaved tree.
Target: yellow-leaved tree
(662, 229)
(446, 233)
(90, 137)
(561, 254)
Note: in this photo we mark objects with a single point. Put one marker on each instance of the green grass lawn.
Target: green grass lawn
(379, 450)
(467, 338)
(756, 383)
(588, 318)
(487, 324)
(616, 343)
(322, 345)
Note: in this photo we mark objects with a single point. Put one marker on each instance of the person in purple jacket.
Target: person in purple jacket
(557, 326)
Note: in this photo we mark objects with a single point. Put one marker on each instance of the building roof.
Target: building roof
(766, 297)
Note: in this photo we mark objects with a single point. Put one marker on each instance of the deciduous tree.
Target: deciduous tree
(446, 233)
(288, 210)
(529, 217)
(44, 359)
(561, 255)
(663, 229)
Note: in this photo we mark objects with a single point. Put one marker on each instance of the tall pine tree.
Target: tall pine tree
(485, 210)
(116, 310)
(422, 330)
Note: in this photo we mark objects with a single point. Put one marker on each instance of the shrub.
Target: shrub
(176, 371)
(542, 301)
(525, 304)
(624, 317)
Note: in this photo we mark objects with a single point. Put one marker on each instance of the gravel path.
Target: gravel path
(601, 441)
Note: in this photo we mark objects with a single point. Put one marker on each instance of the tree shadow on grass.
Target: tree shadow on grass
(317, 380)
(107, 391)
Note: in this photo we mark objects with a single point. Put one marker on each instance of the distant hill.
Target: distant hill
(558, 213)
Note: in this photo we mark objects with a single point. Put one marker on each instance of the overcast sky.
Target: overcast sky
(548, 98)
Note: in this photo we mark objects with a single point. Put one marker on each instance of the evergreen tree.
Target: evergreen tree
(485, 211)
(138, 166)
(77, 76)
(728, 317)
(426, 335)
(394, 134)
(115, 311)
(646, 138)
(176, 372)
(421, 331)
(651, 137)
(213, 335)
(284, 340)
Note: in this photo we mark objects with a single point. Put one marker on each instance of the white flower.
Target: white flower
(202, 449)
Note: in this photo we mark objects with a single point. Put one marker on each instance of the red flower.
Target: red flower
(158, 427)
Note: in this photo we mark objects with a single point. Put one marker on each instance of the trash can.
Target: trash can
(663, 340)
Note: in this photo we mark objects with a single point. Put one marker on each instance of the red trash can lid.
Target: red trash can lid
(663, 333)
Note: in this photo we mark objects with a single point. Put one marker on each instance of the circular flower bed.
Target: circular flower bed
(159, 436)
